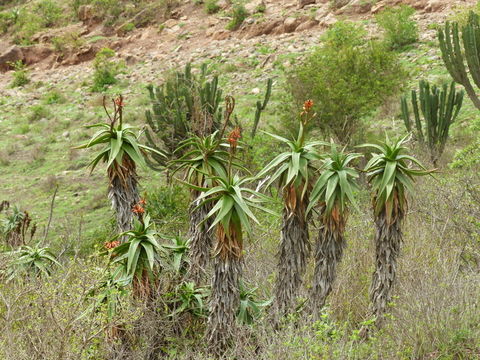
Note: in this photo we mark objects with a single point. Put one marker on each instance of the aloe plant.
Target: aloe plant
(391, 172)
(294, 171)
(334, 193)
(31, 261)
(138, 256)
(122, 152)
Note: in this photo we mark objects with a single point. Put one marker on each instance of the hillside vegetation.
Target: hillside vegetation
(210, 179)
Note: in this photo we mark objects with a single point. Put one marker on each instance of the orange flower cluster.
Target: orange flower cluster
(143, 202)
(307, 105)
(306, 114)
(138, 209)
(112, 244)
(233, 137)
(119, 102)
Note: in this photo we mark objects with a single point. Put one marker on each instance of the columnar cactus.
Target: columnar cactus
(440, 108)
(261, 106)
(454, 58)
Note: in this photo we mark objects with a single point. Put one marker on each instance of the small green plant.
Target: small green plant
(176, 254)
(106, 69)
(31, 261)
(138, 255)
(211, 6)
(54, 97)
(190, 299)
(400, 29)
(20, 75)
(128, 27)
(238, 15)
(250, 308)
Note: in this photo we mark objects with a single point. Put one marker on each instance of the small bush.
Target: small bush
(211, 6)
(38, 112)
(400, 29)
(49, 12)
(27, 25)
(347, 78)
(54, 97)
(67, 43)
(106, 69)
(238, 14)
(20, 75)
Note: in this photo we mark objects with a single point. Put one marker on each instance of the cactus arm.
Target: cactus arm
(406, 114)
(418, 123)
(261, 106)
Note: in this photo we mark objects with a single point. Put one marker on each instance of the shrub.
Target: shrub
(67, 42)
(20, 75)
(347, 78)
(399, 28)
(211, 6)
(238, 14)
(27, 25)
(49, 12)
(106, 69)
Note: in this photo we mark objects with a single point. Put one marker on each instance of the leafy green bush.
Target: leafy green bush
(400, 29)
(238, 14)
(27, 24)
(211, 6)
(20, 75)
(49, 12)
(347, 78)
(106, 69)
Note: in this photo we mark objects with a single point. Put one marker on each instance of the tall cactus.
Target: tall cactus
(440, 108)
(183, 105)
(261, 106)
(457, 61)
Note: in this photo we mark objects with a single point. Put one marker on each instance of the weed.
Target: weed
(20, 75)
(238, 14)
(38, 112)
(211, 6)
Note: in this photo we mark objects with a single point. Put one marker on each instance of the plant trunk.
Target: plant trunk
(388, 239)
(201, 240)
(224, 303)
(292, 258)
(328, 253)
(123, 192)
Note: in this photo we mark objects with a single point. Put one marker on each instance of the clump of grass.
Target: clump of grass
(54, 97)
(38, 112)
(238, 14)
(211, 6)
(20, 75)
